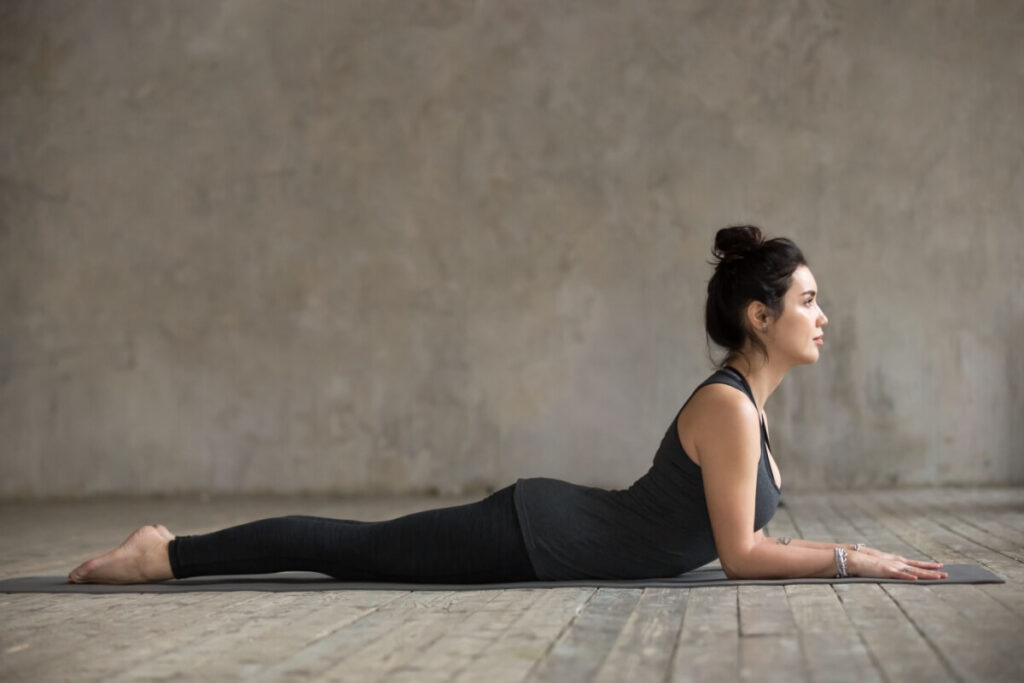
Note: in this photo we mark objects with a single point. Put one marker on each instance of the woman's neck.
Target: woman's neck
(762, 376)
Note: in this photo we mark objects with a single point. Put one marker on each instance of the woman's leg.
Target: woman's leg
(476, 543)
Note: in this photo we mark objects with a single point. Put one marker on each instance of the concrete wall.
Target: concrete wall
(399, 246)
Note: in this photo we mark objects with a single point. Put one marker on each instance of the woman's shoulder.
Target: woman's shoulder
(718, 402)
(721, 401)
(725, 387)
(716, 410)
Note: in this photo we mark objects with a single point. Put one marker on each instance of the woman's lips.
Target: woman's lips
(819, 340)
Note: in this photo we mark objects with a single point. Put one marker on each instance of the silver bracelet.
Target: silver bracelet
(841, 563)
(857, 546)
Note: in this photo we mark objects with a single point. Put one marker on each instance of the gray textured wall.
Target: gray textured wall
(395, 246)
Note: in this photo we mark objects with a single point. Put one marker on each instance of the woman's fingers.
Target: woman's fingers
(904, 572)
(924, 564)
(913, 571)
(889, 557)
(928, 574)
(896, 566)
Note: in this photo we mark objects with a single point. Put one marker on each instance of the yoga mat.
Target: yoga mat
(308, 581)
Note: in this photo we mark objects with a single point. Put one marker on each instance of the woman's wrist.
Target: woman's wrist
(845, 558)
(855, 563)
(841, 560)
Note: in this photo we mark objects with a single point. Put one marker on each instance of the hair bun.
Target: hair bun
(736, 242)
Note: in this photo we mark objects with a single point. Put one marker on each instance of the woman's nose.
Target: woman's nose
(824, 319)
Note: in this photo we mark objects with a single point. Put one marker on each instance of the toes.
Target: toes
(79, 573)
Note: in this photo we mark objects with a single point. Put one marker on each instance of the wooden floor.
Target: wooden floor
(860, 632)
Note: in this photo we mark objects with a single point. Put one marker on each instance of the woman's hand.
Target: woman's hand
(880, 565)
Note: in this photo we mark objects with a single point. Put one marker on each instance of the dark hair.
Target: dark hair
(747, 268)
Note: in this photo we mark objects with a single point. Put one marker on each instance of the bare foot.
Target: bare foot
(142, 558)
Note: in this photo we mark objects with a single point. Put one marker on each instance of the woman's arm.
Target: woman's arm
(729, 446)
(728, 442)
(801, 543)
(865, 561)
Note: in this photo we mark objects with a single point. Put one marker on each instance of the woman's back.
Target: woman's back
(659, 526)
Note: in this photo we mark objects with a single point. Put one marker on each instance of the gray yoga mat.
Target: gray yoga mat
(308, 581)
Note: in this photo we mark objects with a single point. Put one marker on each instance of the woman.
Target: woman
(711, 489)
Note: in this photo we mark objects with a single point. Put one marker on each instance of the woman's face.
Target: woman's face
(797, 334)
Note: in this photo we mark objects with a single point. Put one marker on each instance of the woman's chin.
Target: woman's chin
(811, 358)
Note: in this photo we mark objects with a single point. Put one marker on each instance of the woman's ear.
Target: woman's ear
(758, 316)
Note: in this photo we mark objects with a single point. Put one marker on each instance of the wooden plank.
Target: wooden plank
(467, 639)
(583, 647)
(783, 522)
(644, 648)
(768, 633)
(765, 610)
(975, 628)
(1009, 538)
(1000, 518)
(1006, 594)
(946, 546)
(831, 646)
(875, 533)
(1007, 506)
(324, 653)
(984, 506)
(28, 626)
(272, 628)
(402, 647)
(708, 647)
(974, 650)
(975, 527)
(170, 637)
(458, 638)
(899, 649)
(28, 608)
(977, 534)
(518, 650)
(291, 634)
(898, 533)
(834, 520)
(771, 658)
(806, 511)
(66, 649)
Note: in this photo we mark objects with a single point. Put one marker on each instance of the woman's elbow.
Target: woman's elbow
(733, 569)
(740, 564)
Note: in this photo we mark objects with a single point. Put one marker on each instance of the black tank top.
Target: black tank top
(657, 527)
